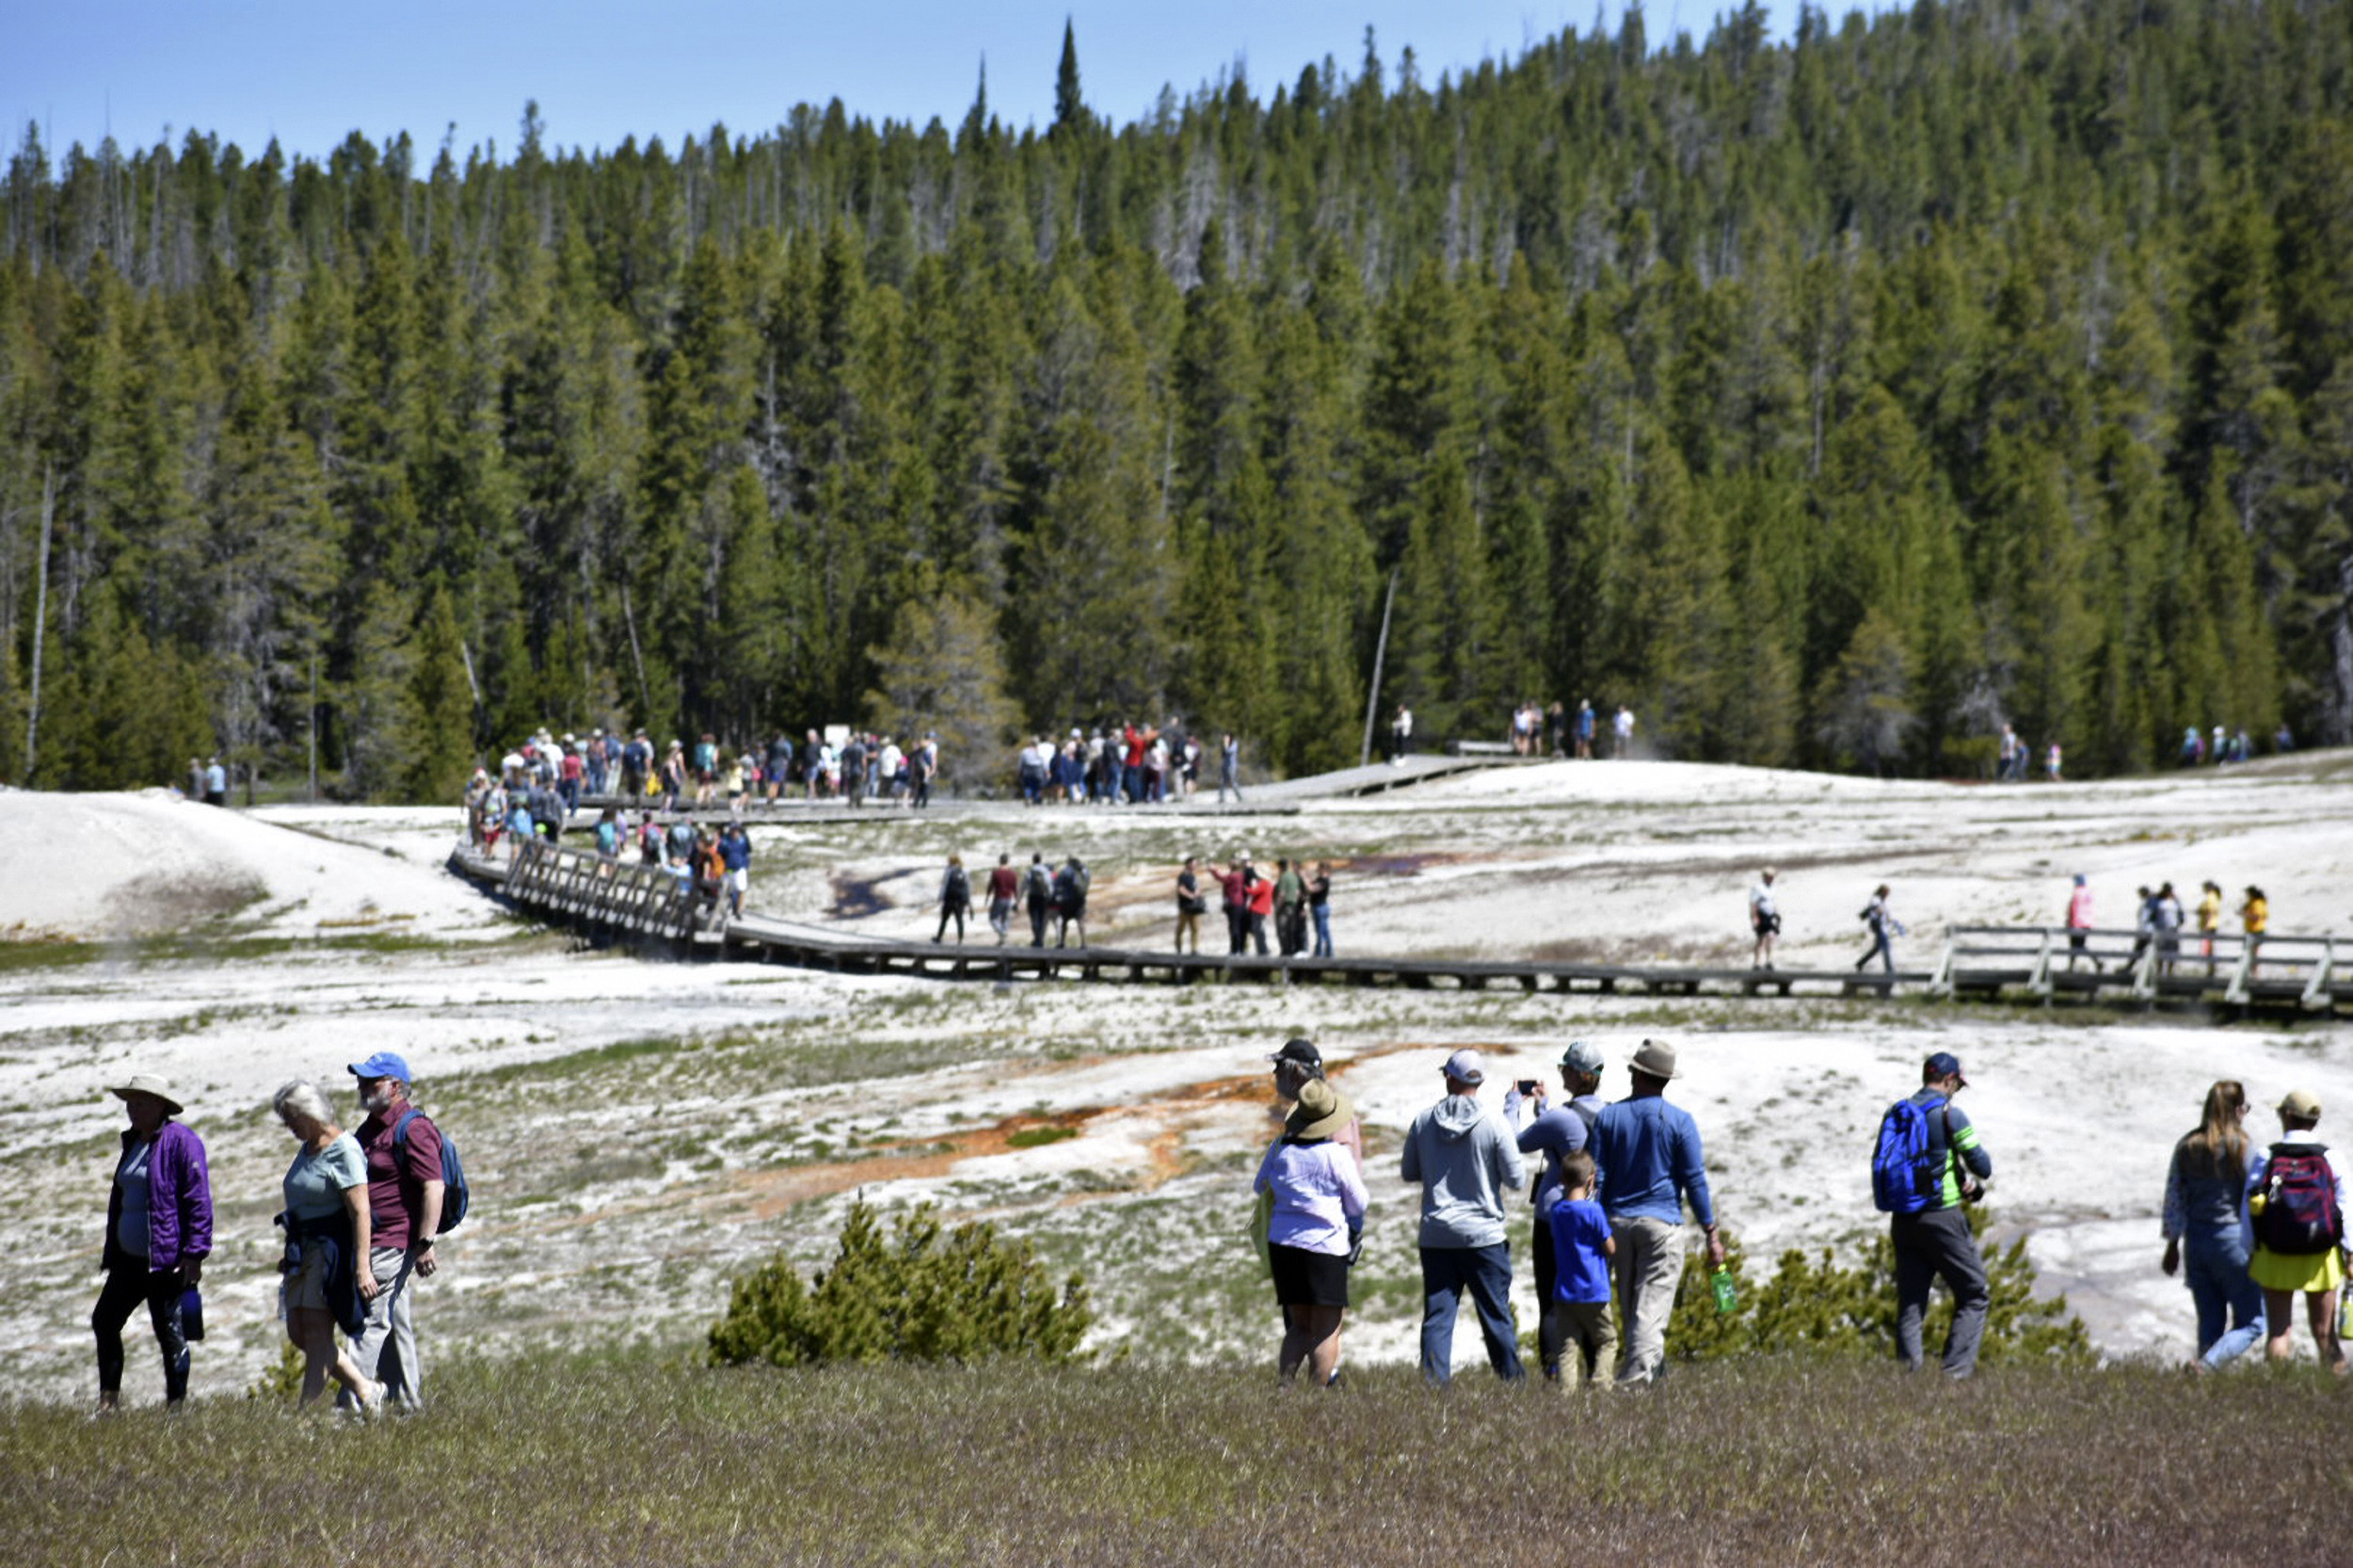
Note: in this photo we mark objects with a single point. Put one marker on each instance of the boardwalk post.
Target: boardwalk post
(2316, 993)
(1941, 982)
(2241, 972)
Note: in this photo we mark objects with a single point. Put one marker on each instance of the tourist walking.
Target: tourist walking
(1070, 901)
(2207, 1227)
(329, 1278)
(2079, 924)
(1229, 768)
(1319, 1209)
(955, 899)
(1883, 925)
(1926, 1166)
(1651, 1164)
(402, 1148)
(1004, 887)
(2300, 1233)
(159, 1232)
(1576, 1309)
(1037, 893)
(735, 856)
(1463, 1158)
(1764, 920)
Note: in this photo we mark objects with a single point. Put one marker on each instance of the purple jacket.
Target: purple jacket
(179, 1206)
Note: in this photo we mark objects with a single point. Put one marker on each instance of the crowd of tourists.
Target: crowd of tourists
(2249, 1228)
(2159, 920)
(363, 1209)
(1536, 730)
(1122, 765)
(1612, 1182)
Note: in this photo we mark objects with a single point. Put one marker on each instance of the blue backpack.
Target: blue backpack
(455, 1195)
(1905, 1175)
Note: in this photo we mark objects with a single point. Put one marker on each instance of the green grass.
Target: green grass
(638, 1457)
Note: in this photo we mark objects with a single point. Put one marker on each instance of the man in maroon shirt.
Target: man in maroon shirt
(1004, 885)
(405, 1192)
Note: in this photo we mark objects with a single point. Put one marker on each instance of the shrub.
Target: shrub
(921, 1295)
(1812, 1303)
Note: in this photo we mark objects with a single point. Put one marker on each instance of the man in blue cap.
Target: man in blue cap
(405, 1195)
(1935, 1239)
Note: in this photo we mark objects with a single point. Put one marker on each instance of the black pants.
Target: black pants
(1551, 1327)
(1038, 908)
(1237, 929)
(1258, 931)
(126, 1286)
(949, 912)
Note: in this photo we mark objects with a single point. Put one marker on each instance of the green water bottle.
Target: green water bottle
(1726, 1297)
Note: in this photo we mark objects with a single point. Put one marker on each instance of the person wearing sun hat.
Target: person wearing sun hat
(1650, 1162)
(2297, 1205)
(159, 1231)
(1319, 1205)
(1463, 1158)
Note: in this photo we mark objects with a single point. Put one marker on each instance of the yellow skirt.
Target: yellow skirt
(2279, 1270)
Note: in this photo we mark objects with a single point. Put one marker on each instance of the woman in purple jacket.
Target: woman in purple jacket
(159, 1230)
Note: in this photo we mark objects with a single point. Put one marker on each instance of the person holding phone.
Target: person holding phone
(1555, 1133)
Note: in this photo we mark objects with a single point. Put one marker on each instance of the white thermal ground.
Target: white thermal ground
(311, 936)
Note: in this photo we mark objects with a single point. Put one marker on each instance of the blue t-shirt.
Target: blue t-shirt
(1580, 1267)
(317, 1180)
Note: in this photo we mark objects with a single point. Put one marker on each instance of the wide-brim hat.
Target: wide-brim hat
(1655, 1057)
(153, 1084)
(1322, 1111)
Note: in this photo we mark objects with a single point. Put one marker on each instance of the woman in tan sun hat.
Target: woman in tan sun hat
(1317, 1190)
(159, 1231)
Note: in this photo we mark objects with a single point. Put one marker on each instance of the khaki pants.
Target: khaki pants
(1648, 1267)
(1587, 1333)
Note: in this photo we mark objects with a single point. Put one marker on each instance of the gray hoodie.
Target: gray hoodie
(1463, 1158)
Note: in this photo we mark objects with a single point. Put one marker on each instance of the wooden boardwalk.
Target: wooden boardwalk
(628, 902)
(634, 903)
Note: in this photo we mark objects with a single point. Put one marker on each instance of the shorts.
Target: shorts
(1304, 1278)
(307, 1286)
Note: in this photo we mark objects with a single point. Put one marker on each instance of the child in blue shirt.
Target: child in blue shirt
(1581, 1250)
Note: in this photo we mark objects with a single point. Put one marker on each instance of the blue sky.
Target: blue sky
(312, 72)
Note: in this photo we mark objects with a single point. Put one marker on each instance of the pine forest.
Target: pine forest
(1831, 401)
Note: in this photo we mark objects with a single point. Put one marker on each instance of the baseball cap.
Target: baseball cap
(1465, 1066)
(382, 1065)
(1582, 1056)
(1301, 1049)
(1944, 1065)
(2302, 1102)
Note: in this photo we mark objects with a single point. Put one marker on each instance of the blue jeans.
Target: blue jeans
(2215, 1267)
(1486, 1273)
(1323, 913)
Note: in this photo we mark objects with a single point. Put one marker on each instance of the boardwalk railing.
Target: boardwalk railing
(2177, 965)
(584, 886)
(629, 900)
